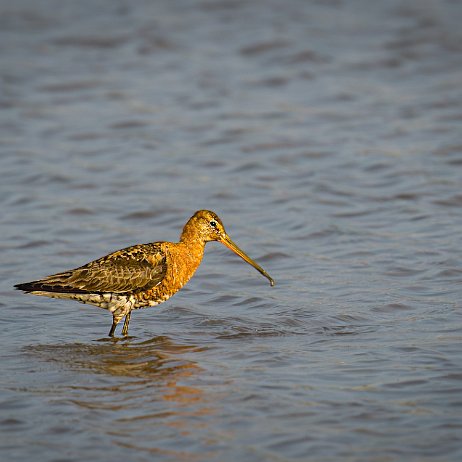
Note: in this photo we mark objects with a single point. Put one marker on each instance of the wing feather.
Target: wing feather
(134, 269)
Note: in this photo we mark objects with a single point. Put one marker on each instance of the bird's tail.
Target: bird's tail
(55, 283)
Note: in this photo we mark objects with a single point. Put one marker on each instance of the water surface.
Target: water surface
(327, 135)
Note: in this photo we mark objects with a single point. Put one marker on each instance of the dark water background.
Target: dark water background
(327, 135)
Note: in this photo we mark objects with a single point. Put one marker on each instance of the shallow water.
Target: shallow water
(327, 135)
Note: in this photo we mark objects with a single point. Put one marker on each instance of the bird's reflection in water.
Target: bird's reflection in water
(141, 387)
(156, 358)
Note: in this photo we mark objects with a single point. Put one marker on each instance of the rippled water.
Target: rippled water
(327, 135)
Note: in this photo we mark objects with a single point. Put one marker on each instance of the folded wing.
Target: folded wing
(130, 270)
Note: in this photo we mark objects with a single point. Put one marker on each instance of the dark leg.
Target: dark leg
(113, 328)
(115, 321)
(126, 323)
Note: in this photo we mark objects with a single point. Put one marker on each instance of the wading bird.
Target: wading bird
(141, 275)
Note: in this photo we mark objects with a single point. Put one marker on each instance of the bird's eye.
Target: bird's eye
(213, 224)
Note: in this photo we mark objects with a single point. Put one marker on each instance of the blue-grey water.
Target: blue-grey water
(327, 136)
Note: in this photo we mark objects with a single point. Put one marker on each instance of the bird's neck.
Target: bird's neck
(183, 258)
(191, 236)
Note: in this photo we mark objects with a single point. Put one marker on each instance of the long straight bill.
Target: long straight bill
(231, 245)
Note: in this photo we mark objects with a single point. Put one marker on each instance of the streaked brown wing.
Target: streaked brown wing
(133, 269)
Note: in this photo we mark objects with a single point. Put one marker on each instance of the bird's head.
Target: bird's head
(207, 226)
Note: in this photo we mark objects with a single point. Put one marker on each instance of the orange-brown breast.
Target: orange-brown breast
(182, 261)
